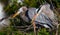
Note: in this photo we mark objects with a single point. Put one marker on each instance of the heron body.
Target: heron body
(44, 18)
(5, 22)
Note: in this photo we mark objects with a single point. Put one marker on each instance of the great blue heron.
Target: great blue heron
(45, 18)
(5, 22)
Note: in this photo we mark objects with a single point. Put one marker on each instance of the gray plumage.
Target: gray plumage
(5, 22)
(42, 19)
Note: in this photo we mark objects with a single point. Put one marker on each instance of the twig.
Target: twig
(28, 27)
(57, 29)
(33, 19)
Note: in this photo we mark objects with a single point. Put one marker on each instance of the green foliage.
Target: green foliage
(10, 31)
(29, 3)
(33, 3)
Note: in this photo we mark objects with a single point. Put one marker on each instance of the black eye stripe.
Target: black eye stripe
(26, 14)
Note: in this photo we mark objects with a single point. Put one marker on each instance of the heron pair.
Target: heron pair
(45, 15)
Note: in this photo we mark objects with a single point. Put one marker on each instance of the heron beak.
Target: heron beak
(15, 15)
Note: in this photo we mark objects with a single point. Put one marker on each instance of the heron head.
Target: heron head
(23, 9)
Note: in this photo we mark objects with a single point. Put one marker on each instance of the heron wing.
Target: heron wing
(41, 18)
